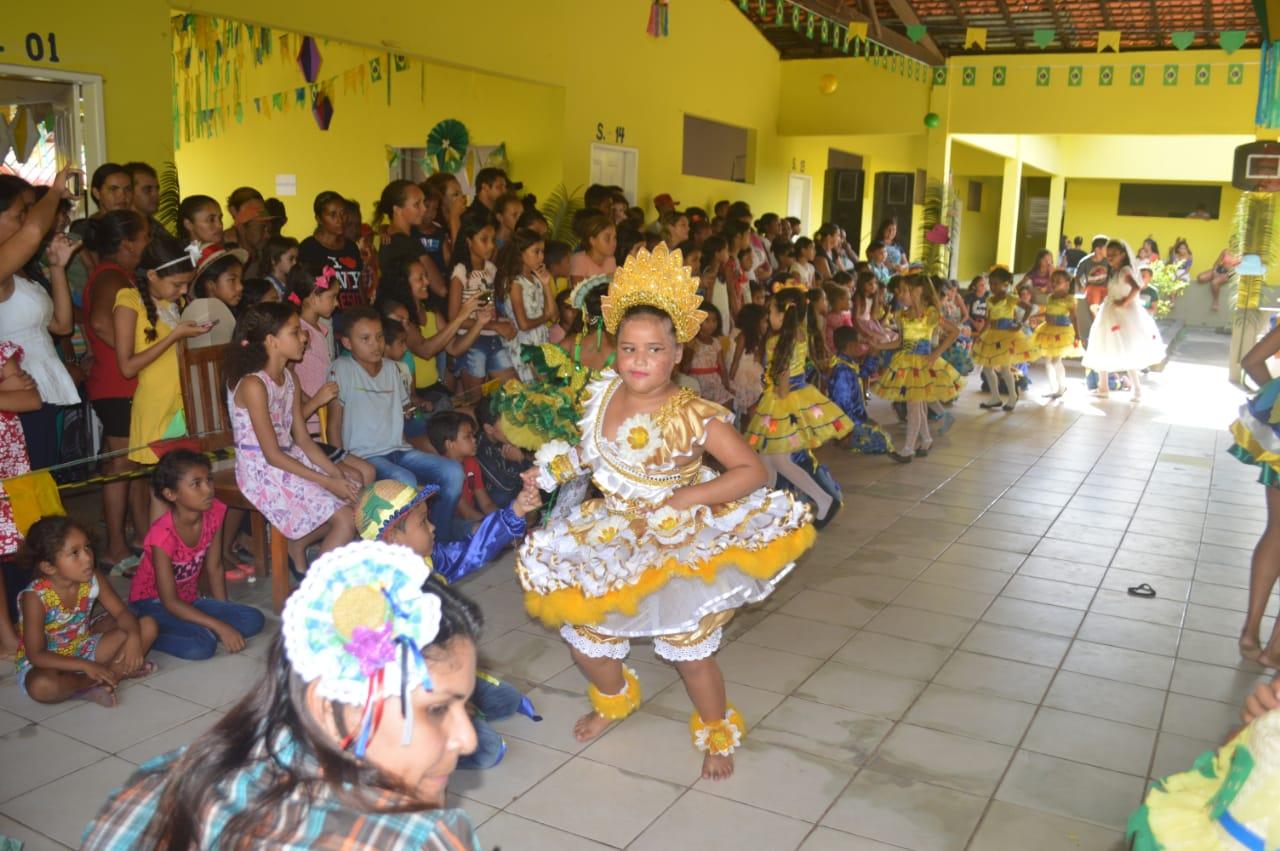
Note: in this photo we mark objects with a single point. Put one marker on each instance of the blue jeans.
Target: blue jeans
(487, 355)
(188, 640)
(416, 469)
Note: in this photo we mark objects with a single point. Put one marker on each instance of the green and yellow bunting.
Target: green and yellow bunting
(1043, 75)
(1204, 75)
(998, 74)
(1235, 74)
(1075, 75)
(1106, 75)
(1138, 75)
(1170, 75)
(969, 75)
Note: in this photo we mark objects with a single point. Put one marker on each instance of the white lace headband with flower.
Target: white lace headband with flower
(358, 623)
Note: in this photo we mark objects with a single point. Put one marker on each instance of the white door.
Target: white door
(614, 165)
(799, 190)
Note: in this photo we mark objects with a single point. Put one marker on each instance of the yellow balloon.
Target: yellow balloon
(828, 84)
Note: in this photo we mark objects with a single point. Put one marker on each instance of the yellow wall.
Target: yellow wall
(127, 44)
(1091, 209)
(618, 77)
(868, 99)
(349, 157)
(978, 228)
(1020, 106)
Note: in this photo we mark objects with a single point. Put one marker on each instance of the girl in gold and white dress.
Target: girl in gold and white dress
(672, 549)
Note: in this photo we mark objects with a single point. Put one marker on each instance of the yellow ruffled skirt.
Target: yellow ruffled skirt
(1057, 341)
(997, 348)
(802, 419)
(912, 377)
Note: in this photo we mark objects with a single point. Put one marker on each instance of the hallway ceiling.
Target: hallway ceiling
(1143, 24)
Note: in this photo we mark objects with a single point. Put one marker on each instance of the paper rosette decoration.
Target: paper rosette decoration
(447, 145)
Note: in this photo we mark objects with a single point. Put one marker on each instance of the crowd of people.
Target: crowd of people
(427, 380)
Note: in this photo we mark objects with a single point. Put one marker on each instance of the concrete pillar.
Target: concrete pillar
(1010, 195)
(1057, 191)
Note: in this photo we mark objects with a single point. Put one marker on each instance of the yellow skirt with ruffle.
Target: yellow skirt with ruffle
(997, 348)
(911, 377)
(1057, 341)
(802, 419)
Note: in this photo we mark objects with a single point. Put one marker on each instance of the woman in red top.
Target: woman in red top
(117, 238)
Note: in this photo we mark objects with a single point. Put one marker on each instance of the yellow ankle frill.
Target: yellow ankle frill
(720, 738)
(615, 707)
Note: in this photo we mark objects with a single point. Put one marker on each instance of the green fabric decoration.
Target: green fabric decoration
(1241, 765)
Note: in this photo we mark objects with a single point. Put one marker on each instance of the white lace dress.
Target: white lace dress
(534, 305)
(1122, 338)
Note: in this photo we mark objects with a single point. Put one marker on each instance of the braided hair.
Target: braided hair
(159, 257)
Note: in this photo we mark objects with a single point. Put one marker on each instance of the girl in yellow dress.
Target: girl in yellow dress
(1057, 337)
(1002, 345)
(672, 549)
(917, 374)
(793, 418)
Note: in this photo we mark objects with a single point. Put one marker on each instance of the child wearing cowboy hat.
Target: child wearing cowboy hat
(395, 513)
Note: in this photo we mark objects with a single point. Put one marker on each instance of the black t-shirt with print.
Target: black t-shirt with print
(346, 260)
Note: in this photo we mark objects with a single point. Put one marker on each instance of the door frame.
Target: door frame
(633, 191)
(808, 180)
(93, 127)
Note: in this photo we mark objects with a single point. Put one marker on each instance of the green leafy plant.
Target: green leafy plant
(559, 209)
(1164, 277)
(936, 210)
(170, 198)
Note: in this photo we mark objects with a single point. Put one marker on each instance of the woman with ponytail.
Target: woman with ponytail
(118, 240)
(146, 328)
(403, 207)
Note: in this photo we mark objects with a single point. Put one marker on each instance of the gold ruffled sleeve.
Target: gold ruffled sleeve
(684, 421)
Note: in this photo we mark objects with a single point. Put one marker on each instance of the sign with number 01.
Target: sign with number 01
(42, 47)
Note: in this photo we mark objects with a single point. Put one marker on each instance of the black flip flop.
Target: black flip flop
(1144, 591)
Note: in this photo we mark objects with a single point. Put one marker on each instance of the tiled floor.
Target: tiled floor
(955, 665)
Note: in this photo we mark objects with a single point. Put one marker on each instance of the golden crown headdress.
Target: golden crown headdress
(790, 284)
(658, 279)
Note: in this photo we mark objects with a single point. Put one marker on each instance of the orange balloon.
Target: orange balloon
(828, 84)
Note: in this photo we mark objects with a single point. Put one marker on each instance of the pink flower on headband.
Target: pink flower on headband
(326, 278)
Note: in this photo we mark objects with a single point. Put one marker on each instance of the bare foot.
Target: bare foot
(146, 669)
(1266, 660)
(1214, 307)
(100, 695)
(717, 767)
(589, 726)
(1250, 648)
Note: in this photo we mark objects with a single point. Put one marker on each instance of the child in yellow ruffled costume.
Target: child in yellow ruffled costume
(1257, 441)
(918, 374)
(1001, 345)
(548, 408)
(793, 418)
(1228, 800)
(673, 549)
(1058, 337)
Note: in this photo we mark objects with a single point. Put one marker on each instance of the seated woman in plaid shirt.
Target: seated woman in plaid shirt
(348, 740)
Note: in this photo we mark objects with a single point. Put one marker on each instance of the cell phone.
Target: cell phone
(486, 298)
(209, 324)
(75, 183)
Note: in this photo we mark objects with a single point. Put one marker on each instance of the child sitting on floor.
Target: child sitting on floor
(62, 653)
(396, 513)
(501, 462)
(453, 435)
(846, 389)
(180, 546)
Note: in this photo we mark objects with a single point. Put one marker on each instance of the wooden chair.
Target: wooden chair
(204, 400)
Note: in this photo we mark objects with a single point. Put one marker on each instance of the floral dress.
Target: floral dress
(66, 629)
(13, 459)
(623, 566)
(705, 369)
(290, 503)
(534, 305)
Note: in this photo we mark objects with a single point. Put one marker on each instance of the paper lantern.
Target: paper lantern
(322, 110)
(309, 59)
(828, 84)
(24, 133)
(932, 120)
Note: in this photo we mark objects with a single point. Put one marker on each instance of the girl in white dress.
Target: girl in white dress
(1124, 337)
